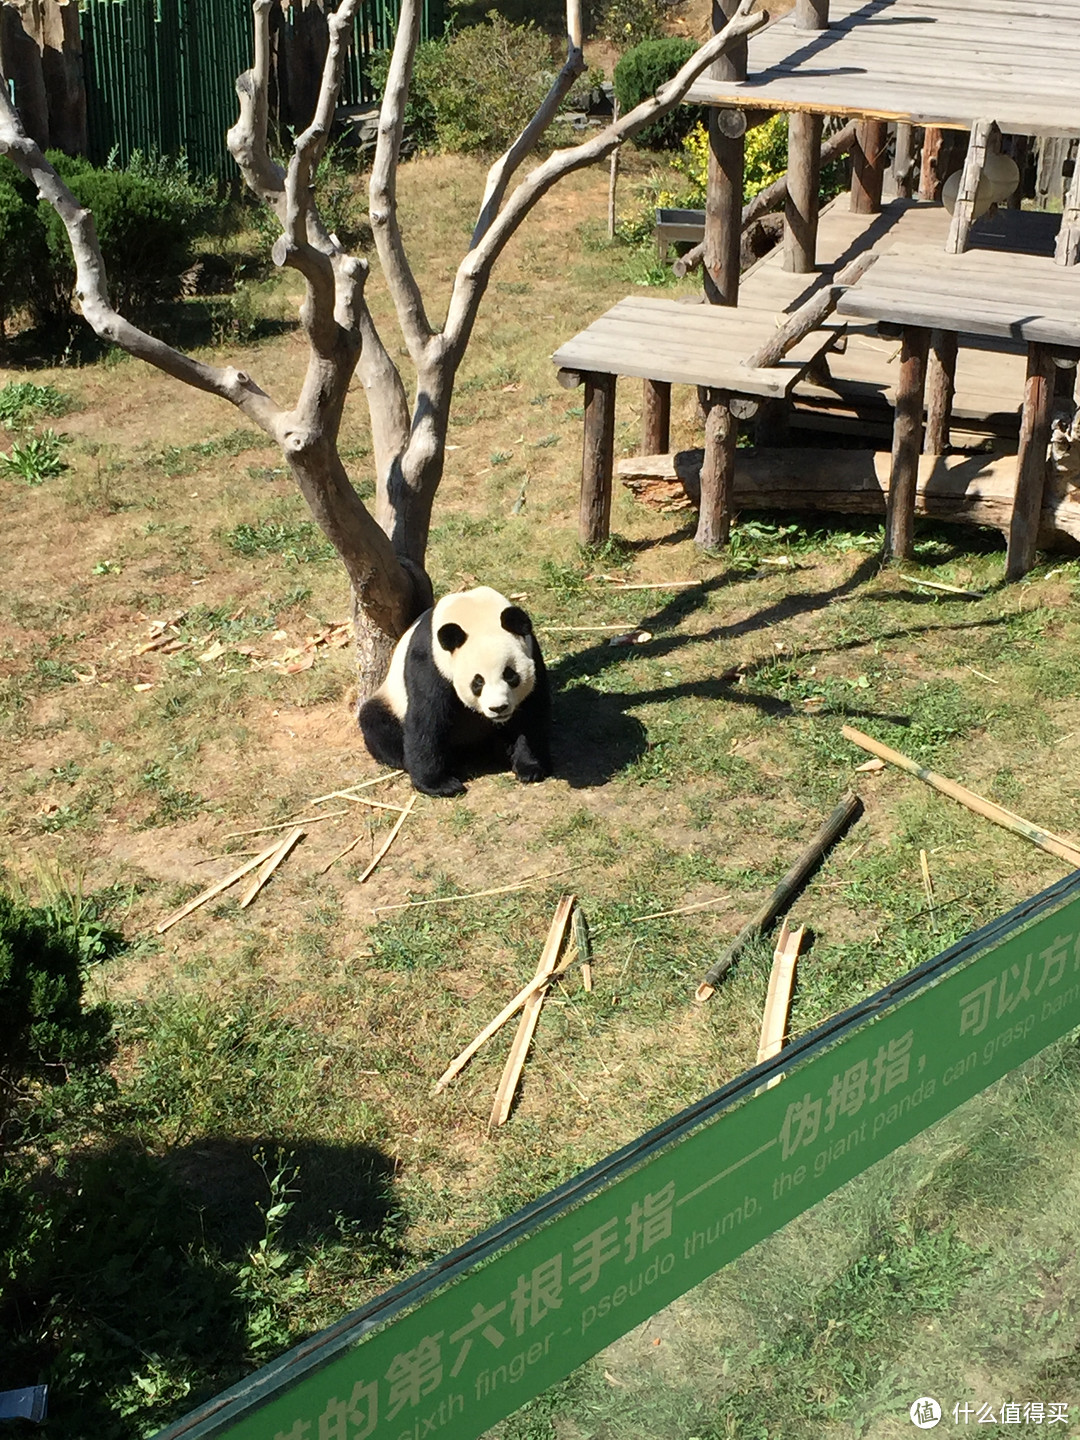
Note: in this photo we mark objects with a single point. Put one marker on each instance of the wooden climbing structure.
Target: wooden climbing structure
(872, 309)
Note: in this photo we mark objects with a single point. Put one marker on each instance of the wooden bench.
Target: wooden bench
(673, 225)
(934, 297)
(666, 342)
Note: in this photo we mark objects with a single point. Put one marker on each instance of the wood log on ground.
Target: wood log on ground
(962, 489)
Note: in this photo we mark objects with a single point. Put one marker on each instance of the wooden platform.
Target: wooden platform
(931, 62)
(989, 374)
(665, 340)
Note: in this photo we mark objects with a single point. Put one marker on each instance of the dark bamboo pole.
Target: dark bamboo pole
(907, 437)
(655, 417)
(868, 156)
(940, 389)
(724, 182)
(717, 470)
(845, 813)
(1031, 462)
(598, 458)
(801, 205)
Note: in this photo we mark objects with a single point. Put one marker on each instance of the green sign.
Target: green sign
(466, 1343)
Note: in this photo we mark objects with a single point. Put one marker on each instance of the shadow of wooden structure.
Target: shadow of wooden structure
(986, 311)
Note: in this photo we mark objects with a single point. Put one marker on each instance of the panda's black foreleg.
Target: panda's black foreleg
(427, 749)
(382, 733)
(530, 755)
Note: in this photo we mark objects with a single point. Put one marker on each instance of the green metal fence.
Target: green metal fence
(160, 74)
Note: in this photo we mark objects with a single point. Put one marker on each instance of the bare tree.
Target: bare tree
(383, 553)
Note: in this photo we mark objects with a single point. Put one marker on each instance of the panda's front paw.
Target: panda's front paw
(530, 771)
(446, 788)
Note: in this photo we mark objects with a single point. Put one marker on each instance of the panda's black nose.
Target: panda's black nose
(499, 709)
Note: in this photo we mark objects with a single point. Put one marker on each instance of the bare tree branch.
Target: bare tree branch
(91, 287)
(502, 172)
(400, 280)
(247, 140)
(474, 271)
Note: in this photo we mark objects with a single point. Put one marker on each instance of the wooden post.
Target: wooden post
(940, 389)
(811, 14)
(929, 180)
(1031, 462)
(868, 156)
(655, 417)
(724, 183)
(613, 177)
(964, 214)
(903, 160)
(598, 458)
(1067, 251)
(801, 204)
(907, 436)
(717, 470)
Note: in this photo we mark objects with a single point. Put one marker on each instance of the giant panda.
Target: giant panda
(468, 675)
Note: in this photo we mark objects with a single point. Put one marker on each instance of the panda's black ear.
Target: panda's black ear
(516, 621)
(451, 637)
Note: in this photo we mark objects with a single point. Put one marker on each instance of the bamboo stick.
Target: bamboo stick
(293, 838)
(680, 910)
(1045, 839)
(508, 1011)
(778, 999)
(363, 785)
(389, 839)
(928, 887)
(284, 825)
(844, 813)
(945, 589)
(217, 889)
(375, 804)
(579, 927)
(473, 894)
(530, 1014)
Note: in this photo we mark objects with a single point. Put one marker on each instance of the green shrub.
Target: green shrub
(21, 402)
(22, 244)
(491, 79)
(421, 120)
(34, 460)
(640, 73)
(47, 1030)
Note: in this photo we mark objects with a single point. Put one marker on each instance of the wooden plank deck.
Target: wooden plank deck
(931, 62)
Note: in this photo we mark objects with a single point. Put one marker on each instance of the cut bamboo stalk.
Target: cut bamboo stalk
(1045, 839)
(473, 894)
(945, 589)
(842, 816)
(778, 1000)
(508, 1012)
(530, 1014)
(293, 838)
(386, 846)
(679, 910)
(217, 889)
(375, 804)
(362, 785)
(579, 928)
(617, 586)
(284, 825)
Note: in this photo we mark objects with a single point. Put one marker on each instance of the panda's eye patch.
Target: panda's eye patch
(512, 678)
(477, 684)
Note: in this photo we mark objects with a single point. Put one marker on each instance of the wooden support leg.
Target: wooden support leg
(801, 205)
(723, 214)
(907, 436)
(963, 216)
(1031, 462)
(717, 470)
(1067, 250)
(598, 459)
(655, 417)
(903, 160)
(940, 388)
(868, 156)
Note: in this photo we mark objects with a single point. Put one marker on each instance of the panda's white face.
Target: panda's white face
(483, 646)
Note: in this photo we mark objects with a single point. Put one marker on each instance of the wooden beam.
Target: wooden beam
(597, 458)
(810, 315)
(940, 389)
(717, 470)
(655, 416)
(1031, 462)
(907, 442)
(804, 180)
(963, 216)
(868, 156)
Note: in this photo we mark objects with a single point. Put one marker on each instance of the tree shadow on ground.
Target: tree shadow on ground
(127, 1286)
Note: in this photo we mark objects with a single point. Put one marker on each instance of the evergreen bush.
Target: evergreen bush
(640, 73)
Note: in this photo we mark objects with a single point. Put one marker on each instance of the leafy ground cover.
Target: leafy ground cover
(271, 1154)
